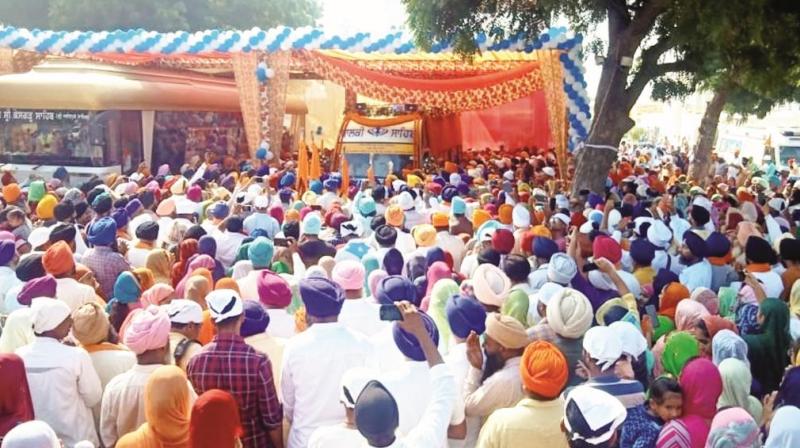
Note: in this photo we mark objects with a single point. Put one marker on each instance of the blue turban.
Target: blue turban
(133, 206)
(718, 245)
(465, 314)
(393, 262)
(312, 224)
(260, 252)
(594, 200)
(207, 245)
(544, 247)
(395, 288)
(642, 251)
(462, 188)
(315, 186)
(102, 203)
(256, 319)
(458, 206)
(228, 182)
(287, 180)
(120, 217)
(331, 184)
(408, 343)
(366, 206)
(262, 171)
(434, 254)
(103, 232)
(663, 278)
(126, 288)
(220, 210)
(7, 251)
(695, 243)
(321, 296)
(448, 193)
(259, 232)
(439, 180)
(285, 194)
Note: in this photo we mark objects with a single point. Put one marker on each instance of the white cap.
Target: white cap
(224, 303)
(39, 236)
(659, 234)
(183, 311)
(604, 345)
(633, 342)
(353, 227)
(598, 409)
(47, 313)
(261, 202)
(777, 204)
(702, 201)
(184, 206)
(561, 217)
(508, 175)
(614, 218)
(548, 170)
(520, 216)
(547, 292)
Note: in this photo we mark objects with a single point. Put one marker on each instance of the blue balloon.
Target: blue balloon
(545, 37)
(261, 153)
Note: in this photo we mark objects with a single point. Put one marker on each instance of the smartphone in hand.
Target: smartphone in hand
(390, 312)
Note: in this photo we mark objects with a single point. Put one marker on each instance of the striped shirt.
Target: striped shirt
(629, 392)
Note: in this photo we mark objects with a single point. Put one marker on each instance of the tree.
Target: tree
(644, 38)
(189, 15)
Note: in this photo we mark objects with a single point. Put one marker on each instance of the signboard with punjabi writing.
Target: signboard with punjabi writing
(402, 133)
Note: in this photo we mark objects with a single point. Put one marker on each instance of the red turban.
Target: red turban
(606, 247)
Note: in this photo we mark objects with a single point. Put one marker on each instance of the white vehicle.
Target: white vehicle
(763, 145)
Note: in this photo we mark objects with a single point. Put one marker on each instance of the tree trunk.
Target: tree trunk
(701, 160)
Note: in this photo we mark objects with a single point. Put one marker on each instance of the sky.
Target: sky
(377, 16)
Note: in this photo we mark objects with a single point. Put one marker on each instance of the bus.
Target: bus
(95, 119)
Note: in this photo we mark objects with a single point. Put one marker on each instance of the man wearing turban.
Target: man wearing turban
(63, 384)
(123, 410)
(495, 383)
(536, 419)
(693, 253)
(59, 262)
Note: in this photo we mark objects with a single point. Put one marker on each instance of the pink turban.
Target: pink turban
(349, 274)
(374, 278)
(202, 261)
(276, 211)
(148, 330)
(157, 294)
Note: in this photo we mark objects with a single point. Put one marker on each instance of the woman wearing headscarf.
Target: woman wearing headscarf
(440, 293)
(702, 385)
(200, 262)
(127, 292)
(707, 298)
(158, 294)
(159, 263)
(794, 311)
(186, 249)
(784, 430)
(145, 277)
(747, 311)
(679, 349)
(768, 351)
(734, 428)
(672, 294)
(736, 383)
(166, 408)
(17, 330)
(727, 344)
(15, 398)
(197, 288)
(215, 421)
(437, 271)
(207, 245)
(706, 328)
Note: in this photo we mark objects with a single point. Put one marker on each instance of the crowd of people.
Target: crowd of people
(477, 304)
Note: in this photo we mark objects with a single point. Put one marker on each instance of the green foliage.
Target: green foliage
(157, 15)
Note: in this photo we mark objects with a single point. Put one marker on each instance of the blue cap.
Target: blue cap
(458, 206)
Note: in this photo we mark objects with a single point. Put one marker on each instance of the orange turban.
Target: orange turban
(11, 192)
(480, 216)
(291, 215)
(541, 230)
(394, 216)
(450, 167)
(58, 259)
(543, 369)
(672, 294)
(505, 213)
(227, 283)
(440, 219)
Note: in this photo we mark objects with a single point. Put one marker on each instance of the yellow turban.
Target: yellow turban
(46, 207)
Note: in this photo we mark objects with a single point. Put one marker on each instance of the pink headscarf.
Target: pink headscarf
(707, 298)
(276, 211)
(157, 294)
(148, 330)
(702, 385)
(688, 314)
(745, 230)
(374, 278)
(436, 272)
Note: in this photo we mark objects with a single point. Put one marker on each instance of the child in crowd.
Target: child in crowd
(644, 422)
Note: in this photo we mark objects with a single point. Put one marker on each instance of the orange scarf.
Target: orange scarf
(759, 267)
(721, 261)
(103, 347)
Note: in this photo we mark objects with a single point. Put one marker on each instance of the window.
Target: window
(71, 137)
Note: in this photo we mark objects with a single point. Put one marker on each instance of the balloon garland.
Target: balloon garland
(284, 38)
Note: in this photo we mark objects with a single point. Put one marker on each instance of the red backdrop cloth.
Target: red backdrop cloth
(444, 135)
(517, 124)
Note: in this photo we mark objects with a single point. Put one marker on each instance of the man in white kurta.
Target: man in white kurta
(63, 384)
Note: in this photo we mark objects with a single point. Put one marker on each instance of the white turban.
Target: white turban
(562, 201)
(520, 216)
(561, 269)
(31, 434)
(569, 313)
(455, 178)
(702, 201)
(48, 314)
(490, 284)
(604, 345)
(659, 234)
